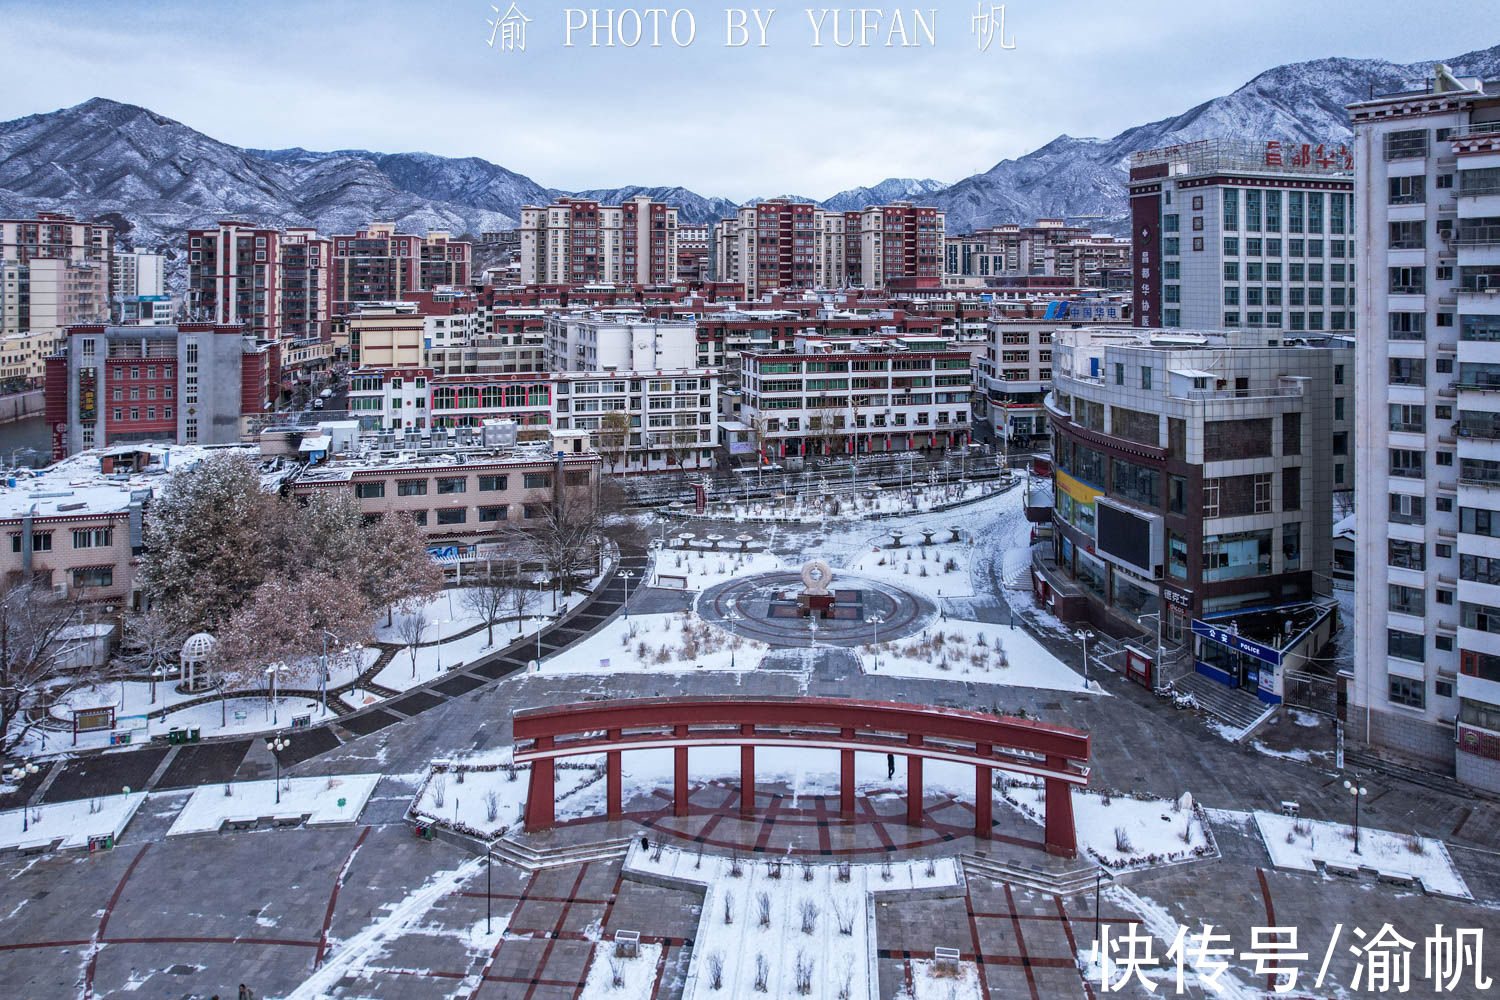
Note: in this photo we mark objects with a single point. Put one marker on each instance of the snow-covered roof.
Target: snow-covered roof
(77, 486)
(1344, 527)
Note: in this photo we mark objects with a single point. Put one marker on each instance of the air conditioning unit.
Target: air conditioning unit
(60, 589)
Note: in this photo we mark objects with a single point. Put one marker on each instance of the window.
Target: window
(452, 515)
(1407, 371)
(1197, 243)
(1231, 209)
(1119, 373)
(537, 481)
(497, 513)
(1405, 143)
(1291, 488)
(1407, 235)
(94, 576)
(1404, 645)
(419, 517)
(453, 484)
(92, 538)
(492, 484)
(1197, 223)
(369, 491)
(1408, 325)
(1231, 249)
(1403, 554)
(1406, 600)
(1406, 690)
(411, 488)
(1406, 190)
(1145, 377)
(1407, 463)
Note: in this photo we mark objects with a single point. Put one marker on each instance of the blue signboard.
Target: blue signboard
(1239, 643)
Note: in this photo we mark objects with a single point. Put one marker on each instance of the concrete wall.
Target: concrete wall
(1407, 734)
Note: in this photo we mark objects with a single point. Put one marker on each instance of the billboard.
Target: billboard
(1129, 537)
(88, 396)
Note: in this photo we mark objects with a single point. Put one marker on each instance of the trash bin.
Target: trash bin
(193, 734)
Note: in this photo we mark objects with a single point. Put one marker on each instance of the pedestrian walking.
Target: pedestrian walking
(890, 766)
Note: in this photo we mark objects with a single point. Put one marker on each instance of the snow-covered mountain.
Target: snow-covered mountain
(155, 177)
(1085, 177)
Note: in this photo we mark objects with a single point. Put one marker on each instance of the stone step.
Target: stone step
(1066, 882)
(533, 859)
(1234, 707)
(1438, 782)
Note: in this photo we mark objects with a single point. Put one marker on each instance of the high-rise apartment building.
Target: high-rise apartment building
(378, 264)
(276, 282)
(782, 245)
(138, 273)
(898, 242)
(575, 241)
(49, 293)
(1427, 496)
(693, 257)
(54, 235)
(1240, 233)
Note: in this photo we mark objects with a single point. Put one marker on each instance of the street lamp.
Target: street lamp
(874, 620)
(17, 774)
(276, 744)
(626, 575)
(1084, 635)
(274, 672)
(1359, 792)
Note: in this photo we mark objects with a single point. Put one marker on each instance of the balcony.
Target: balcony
(1477, 236)
(1474, 130)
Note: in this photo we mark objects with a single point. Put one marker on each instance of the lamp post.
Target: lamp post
(1085, 635)
(874, 620)
(487, 896)
(625, 575)
(16, 774)
(274, 672)
(275, 745)
(1358, 791)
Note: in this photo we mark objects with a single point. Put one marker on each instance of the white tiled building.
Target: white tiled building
(1427, 638)
(617, 340)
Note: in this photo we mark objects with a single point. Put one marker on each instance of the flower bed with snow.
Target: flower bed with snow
(622, 978)
(932, 570)
(1302, 843)
(339, 798)
(1122, 832)
(488, 800)
(929, 982)
(660, 643)
(703, 570)
(70, 824)
(980, 652)
(784, 928)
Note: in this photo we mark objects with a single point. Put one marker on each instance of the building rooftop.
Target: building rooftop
(78, 486)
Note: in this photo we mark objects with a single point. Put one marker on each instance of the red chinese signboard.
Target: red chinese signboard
(1306, 156)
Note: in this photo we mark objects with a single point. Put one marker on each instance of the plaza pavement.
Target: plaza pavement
(193, 917)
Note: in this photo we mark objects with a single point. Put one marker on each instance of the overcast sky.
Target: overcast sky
(735, 122)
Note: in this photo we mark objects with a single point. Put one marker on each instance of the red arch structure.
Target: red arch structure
(1056, 754)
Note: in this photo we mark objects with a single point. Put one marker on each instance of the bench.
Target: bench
(36, 846)
(1396, 878)
(288, 819)
(1341, 870)
(240, 822)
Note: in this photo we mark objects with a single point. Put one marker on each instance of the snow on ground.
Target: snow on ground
(929, 984)
(447, 614)
(487, 803)
(1301, 843)
(1007, 656)
(806, 772)
(73, 822)
(319, 799)
(776, 919)
(813, 507)
(637, 974)
(934, 571)
(659, 643)
(1119, 831)
(348, 957)
(708, 569)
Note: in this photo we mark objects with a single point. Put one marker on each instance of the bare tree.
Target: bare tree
(613, 438)
(33, 667)
(679, 444)
(152, 640)
(519, 597)
(409, 629)
(564, 537)
(827, 429)
(487, 598)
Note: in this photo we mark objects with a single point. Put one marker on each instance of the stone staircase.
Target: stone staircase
(1235, 707)
(1066, 877)
(535, 854)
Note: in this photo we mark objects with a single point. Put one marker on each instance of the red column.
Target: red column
(540, 814)
(1062, 838)
(747, 772)
(914, 783)
(983, 795)
(612, 804)
(846, 779)
(679, 775)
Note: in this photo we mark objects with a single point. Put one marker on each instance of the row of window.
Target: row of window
(460, 484)
(83, 538)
